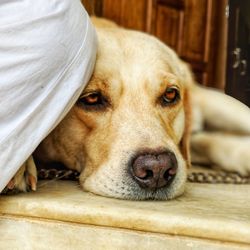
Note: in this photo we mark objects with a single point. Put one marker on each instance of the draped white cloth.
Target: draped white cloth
(47, 55)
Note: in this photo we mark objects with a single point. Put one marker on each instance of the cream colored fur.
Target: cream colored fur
(221, 131)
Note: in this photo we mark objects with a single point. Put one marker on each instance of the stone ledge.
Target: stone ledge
(205, 211)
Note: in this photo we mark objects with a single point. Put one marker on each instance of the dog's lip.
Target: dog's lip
(133, 191)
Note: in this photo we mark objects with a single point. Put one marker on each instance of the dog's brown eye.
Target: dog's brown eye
(170, 96)
(92, 101)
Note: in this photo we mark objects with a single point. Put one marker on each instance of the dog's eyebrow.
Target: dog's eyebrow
(168, 81)
(97, 83)
(171, 78)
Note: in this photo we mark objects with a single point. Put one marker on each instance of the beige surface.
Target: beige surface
(23, 234)
(214, 212)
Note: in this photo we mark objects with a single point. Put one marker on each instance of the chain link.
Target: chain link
(218, 177)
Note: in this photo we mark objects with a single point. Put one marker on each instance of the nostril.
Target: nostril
(169, 174)
(149, 174)
(143, 174)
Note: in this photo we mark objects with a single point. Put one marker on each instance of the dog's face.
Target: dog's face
(127, 133)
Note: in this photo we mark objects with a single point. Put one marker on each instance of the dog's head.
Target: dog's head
(128, 132)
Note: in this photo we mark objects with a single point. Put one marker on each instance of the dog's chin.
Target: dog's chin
(124, 187)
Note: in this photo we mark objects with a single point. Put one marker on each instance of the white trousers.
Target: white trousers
(47, 55)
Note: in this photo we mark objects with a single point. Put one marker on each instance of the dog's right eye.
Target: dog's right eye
(171, 96)
(92, 101)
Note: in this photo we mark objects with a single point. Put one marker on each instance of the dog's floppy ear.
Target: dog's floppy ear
(185, 141)
(188, 84)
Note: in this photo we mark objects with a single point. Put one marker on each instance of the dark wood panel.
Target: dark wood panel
(89, 6)
(195, 31)
(177, 4)
(134, 14)
(169, 24)
(127, 13)
(112, 10)
(199, 76)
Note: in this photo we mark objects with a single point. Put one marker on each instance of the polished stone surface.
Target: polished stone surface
(206, 212)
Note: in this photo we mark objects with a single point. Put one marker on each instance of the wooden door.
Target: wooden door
(186, 26)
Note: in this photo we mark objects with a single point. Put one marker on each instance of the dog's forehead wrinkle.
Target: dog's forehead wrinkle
(122, 53)
(138, 74)
(120, 45)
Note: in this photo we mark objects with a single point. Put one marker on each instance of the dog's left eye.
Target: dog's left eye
(170, 96)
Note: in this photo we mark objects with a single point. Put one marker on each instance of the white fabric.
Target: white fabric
(47, 55)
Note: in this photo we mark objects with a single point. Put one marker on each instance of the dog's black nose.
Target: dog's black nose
(153, 171)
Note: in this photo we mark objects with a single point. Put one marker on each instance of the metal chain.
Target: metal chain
(218, 177)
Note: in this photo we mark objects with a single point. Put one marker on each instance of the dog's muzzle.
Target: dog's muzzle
(154, 171)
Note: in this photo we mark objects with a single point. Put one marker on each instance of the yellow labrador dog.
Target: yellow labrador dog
(128, 134)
